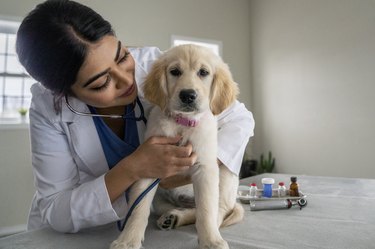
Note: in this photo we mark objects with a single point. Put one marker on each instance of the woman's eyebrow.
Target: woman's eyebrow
(97, 76)
(118, 50)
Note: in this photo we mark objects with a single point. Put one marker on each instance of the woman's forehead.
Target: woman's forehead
(99, 57)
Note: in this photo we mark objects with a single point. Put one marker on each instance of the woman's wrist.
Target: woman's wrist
(120, 178)
(128, 168)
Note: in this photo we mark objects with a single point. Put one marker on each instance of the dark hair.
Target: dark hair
(52, 42)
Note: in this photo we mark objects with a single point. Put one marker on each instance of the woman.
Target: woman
(83, 165)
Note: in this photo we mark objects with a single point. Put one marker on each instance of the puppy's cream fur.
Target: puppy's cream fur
(197, 69)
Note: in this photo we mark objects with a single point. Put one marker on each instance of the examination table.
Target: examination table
(340, 213)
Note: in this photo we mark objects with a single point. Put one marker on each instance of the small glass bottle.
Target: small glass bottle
(281, 191)
(253, 190)
(267, 186)
(293, 189)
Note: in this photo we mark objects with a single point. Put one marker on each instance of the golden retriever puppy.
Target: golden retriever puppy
(189, 85)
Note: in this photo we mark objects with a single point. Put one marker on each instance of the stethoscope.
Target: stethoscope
(128, 115)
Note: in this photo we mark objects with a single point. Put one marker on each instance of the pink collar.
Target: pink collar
(186, 121)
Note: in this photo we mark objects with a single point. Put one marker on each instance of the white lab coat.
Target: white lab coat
(69, 163)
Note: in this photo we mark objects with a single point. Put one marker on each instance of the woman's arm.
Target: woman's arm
(67, 198)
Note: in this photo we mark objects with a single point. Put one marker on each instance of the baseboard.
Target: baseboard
(6, 231)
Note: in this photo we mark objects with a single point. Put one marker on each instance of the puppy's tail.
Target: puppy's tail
(235, 216)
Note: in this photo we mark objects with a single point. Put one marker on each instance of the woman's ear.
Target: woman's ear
(155, 85)
(224, 90)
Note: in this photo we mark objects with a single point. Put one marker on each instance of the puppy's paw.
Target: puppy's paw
(125, 245)
(167, 221)
(219, 244)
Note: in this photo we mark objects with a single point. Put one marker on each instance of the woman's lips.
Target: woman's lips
(129, 91)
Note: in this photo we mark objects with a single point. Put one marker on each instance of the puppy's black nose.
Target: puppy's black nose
(188, 96)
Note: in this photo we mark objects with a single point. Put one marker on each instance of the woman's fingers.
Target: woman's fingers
(184, 151)
(161, 157)
(178, 151)
(185, 161)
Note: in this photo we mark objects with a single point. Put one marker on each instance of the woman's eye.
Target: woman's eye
(175, 72)
(203, 72)
(104, 85)
(124, 58)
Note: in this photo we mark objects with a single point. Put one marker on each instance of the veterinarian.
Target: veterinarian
(82, 164)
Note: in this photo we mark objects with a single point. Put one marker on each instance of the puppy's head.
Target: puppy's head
(190, 79)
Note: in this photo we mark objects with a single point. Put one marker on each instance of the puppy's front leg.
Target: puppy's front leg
(206, 190)
(133, 234)
(230, 212)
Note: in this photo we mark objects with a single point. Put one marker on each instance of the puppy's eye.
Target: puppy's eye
(175, 72)
(203, 72)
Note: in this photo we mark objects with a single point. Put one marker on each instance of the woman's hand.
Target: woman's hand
(160, 157)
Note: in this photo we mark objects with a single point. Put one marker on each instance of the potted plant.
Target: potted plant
(23, 111)
(266, 165)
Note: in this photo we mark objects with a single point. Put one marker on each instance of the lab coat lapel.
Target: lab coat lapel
(84, 139)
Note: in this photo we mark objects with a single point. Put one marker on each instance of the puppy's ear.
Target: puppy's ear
(155, 85)
(224, 90)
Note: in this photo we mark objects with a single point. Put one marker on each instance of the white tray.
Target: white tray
(244, 197)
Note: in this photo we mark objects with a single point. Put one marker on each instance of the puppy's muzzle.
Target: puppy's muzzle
(188, 96)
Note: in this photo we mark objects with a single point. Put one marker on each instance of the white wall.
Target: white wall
(314, 85)
(16, 180)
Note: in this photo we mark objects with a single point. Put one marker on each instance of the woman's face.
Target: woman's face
(106, 78)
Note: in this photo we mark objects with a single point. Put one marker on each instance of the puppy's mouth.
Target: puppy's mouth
(188, 108)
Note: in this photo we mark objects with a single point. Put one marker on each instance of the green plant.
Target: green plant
(22, 111)
(266, 165)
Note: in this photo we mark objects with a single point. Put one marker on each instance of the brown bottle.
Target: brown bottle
(293, 189)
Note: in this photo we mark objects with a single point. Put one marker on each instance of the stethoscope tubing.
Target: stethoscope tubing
(125, 116)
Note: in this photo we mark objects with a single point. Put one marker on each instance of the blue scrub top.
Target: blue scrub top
(115, 149)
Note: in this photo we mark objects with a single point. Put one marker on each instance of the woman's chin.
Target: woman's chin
(126, 100)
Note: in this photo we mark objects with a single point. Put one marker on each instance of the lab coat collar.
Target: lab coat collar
(67, 115)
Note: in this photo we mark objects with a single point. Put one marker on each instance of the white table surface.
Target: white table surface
(340, 214)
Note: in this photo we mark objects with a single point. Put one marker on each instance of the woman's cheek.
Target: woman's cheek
(104, 100)
(98, 99)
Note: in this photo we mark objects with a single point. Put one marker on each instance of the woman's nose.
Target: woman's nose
(124, 78)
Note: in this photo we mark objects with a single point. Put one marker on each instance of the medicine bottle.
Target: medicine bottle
(293, 189)
(281, 191)
(253, 190)
(267, 186)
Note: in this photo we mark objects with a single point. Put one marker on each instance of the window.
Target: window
(15, 83)
(216, 46)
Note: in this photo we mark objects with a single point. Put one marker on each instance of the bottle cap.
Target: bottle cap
(281, 184)
(293, 179)
(268, 181)
(253, 184)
